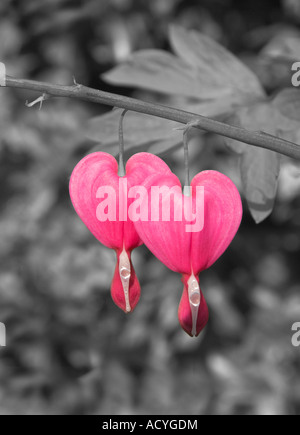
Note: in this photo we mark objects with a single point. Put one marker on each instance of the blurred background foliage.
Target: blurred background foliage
(70, 350)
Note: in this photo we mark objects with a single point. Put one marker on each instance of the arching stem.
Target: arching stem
(256, 138)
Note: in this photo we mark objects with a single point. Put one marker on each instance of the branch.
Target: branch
(258, 139)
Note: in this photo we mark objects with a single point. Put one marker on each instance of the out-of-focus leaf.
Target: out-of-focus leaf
(289, 182)
(286, 117)
(161, 148)
(260, 170)
(203, 69)
(139, 129)
(209, 79)
(283, 47)
(259, 167)
(158, 71)
(288, 104)
(217, 68)
(158, 147)
(292, 8)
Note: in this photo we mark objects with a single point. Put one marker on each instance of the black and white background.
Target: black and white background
(69, 349)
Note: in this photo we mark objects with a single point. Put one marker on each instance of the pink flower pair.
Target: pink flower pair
(187, 253)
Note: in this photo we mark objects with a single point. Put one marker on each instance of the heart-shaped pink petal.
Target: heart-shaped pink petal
(100, 198)
(170, 241)
(92, 172)
(222, 217)
(100, 171)
(165, 237)
(209, 221)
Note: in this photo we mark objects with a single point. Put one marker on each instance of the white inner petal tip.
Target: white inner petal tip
(195, 301)
(125, 274)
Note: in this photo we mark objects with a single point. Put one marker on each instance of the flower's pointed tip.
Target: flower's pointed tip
(193, 311)
(125, 288)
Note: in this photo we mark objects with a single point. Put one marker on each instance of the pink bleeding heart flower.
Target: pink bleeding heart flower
(96, 178)
(210, 220)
